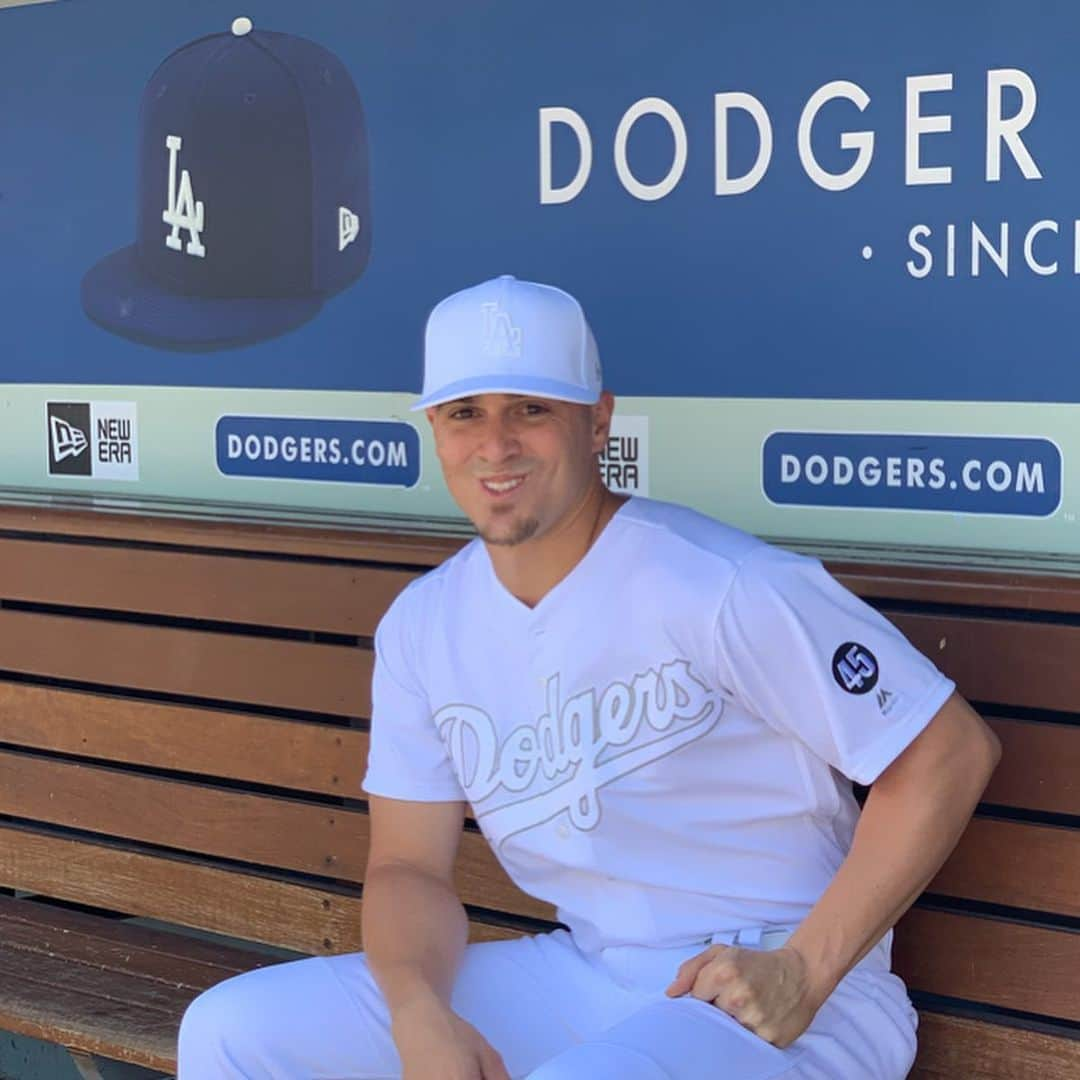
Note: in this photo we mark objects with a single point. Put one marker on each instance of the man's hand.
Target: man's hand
(768, 992)
(434, 1043)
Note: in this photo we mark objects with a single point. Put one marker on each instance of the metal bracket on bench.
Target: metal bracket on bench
(85, 1064)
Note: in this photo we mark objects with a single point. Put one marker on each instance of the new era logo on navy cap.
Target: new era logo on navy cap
(252, 197)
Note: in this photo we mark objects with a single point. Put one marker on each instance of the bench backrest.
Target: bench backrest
(183, 715)
(183, 727)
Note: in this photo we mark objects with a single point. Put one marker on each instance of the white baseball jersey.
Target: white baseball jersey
(661, 746)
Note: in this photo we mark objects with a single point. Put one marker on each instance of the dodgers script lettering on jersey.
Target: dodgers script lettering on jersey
(576, 748)
(659, 747)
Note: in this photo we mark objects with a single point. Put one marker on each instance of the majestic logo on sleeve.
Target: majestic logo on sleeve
(560, 763)
(183, 210)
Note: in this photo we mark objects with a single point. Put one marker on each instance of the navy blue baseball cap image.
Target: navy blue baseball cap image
(252, 194)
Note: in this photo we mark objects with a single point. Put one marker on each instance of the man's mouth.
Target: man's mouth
(502, 485)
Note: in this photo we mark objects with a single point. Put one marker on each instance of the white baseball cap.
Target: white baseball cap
(506, 336)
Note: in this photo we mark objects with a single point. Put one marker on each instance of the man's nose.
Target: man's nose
(500, 441)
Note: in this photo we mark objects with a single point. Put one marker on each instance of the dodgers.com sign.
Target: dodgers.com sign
(955, 473)
(385, 452)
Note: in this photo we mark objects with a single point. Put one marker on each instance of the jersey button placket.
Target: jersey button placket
(537, 653)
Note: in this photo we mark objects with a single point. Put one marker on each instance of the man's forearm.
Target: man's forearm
(415, 930)
(912, 819)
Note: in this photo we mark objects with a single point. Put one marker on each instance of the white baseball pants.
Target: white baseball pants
(552, 1012)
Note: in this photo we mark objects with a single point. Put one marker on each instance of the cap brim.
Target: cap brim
(118, 296)
(508, 384)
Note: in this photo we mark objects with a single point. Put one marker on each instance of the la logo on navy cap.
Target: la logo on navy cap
(253, 199)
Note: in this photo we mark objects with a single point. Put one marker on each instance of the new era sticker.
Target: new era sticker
(97, 439)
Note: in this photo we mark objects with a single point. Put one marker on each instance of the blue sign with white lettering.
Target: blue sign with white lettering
(849, 201)
(958, 473)
(384, 452)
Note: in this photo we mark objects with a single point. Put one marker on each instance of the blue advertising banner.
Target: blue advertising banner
(853, 201)
(832, 235)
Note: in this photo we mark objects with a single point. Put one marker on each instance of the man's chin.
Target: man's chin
(508, 533)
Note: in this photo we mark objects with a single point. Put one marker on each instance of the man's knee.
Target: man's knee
(295, 1019)
(220, 1027)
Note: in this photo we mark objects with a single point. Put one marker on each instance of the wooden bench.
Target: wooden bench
(183, 734)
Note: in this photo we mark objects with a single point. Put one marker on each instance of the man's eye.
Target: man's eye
(461, 414)
(535, 408)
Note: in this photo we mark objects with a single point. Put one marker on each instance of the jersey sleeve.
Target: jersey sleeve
(817, 663)
(407, 759)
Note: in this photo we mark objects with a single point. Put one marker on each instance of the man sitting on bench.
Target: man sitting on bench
(655, 719)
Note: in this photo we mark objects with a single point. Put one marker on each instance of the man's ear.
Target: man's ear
(601, 415)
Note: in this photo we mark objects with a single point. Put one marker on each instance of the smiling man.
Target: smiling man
(655, 719)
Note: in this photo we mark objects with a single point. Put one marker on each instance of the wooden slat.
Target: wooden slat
(45, 999)
(881, 571)
(990, 961)
(86, 950)
(482, 882)
(242, 746)
(1019, 865)
(1003, 661)
(246, 906)
(239, 825)
(104, 986)
(108, 942)
(426, 542)
(165, 955)
(358, 539)
(181, 891)
(341, 598)
(1039, 768)
(958, 1048)
(120, 987)
(230, 667)
(1007, 587)
(259, 829)
(479, 931)
(1033, 866)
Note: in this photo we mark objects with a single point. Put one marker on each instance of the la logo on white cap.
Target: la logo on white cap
(502, 339)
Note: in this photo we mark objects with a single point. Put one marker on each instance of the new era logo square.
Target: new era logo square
(98, 439)
(69, 438)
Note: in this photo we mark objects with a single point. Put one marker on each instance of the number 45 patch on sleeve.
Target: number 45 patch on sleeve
(855, 668)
